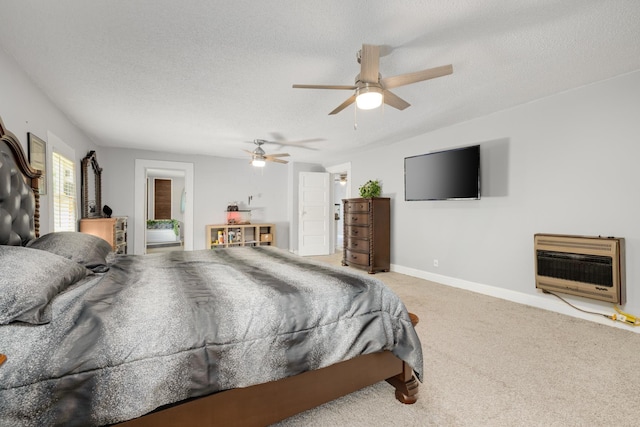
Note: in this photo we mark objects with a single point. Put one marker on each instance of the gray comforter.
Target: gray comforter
(161, 328)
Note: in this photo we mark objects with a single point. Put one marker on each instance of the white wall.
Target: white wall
(565, 164)
(25, 108)
(217, 182)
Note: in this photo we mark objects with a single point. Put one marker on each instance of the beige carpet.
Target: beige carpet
(490, 362)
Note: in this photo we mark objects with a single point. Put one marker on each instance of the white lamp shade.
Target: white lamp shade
(369, 98)
(259, 163)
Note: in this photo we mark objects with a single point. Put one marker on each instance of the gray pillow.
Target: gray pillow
(30, 280)
(85, 249)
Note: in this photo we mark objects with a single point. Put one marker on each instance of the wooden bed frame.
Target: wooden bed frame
(267, 403)
(31, 175)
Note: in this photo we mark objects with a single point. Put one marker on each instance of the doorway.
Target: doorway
(340, 182)
(165, 214)
(143, 170)
(341, 177)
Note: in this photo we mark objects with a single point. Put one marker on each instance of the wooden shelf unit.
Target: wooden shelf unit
(240, 235)
(113, 230)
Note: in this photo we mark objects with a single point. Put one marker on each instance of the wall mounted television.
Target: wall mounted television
(443, 175)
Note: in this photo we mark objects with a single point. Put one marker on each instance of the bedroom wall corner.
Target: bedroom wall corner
(28, 109)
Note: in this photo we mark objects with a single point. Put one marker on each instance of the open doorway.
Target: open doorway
(340, 175)
(165, 210)
(339, 192)
(146, 169)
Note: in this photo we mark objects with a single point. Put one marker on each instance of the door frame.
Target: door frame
(342, 168)
(140, 201)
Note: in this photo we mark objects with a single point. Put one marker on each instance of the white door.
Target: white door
(315, 215)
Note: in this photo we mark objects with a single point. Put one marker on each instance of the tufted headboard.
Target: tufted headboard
(19, 196)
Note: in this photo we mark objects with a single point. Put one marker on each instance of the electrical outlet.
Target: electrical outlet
(435, 262)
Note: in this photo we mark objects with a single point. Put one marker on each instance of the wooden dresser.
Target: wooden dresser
(113, 230)
(366, 233)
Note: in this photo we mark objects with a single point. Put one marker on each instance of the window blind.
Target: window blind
(64, 193)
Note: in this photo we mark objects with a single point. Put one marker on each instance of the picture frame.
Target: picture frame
(38, 159)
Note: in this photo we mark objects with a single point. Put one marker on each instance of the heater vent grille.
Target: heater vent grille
(591, 267)
(581, 268)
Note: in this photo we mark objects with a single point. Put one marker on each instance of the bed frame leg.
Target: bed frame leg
(406, 385)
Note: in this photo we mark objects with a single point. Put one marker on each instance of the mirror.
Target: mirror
(91, 187)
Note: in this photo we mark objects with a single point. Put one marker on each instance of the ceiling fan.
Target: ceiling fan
(281, 141)
(371, 90)
(259, 157)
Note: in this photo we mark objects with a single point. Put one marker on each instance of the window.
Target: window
(64, 193)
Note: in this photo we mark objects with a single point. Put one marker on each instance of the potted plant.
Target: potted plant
(370, 189)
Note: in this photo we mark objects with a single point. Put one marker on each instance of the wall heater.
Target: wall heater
(590, 267)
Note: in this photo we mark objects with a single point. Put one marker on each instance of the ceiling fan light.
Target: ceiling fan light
(258, 162)
(369, 97)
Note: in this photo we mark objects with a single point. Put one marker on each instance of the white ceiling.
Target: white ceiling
(206, 76)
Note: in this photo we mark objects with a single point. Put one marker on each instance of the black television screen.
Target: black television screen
(443, 175)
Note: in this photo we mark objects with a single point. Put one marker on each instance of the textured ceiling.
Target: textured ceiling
(207, 76)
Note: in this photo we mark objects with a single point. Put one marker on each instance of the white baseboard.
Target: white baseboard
(545, 302)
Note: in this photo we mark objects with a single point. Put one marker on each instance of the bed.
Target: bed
(241, 336)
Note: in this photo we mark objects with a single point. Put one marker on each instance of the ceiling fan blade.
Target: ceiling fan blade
(300, 141)
(394, 100)
(369, 63)
(344, 105)
(344, 87)
(299, 146)
(247, 151)
(277, 160)
(278, 155)
(281, 141)
(418, 76)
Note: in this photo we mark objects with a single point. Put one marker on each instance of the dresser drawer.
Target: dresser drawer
(356, 219)
(360, 245)
(120, 237)
(356, 207)
(121, 224)
(356, 258)
(359, 232)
